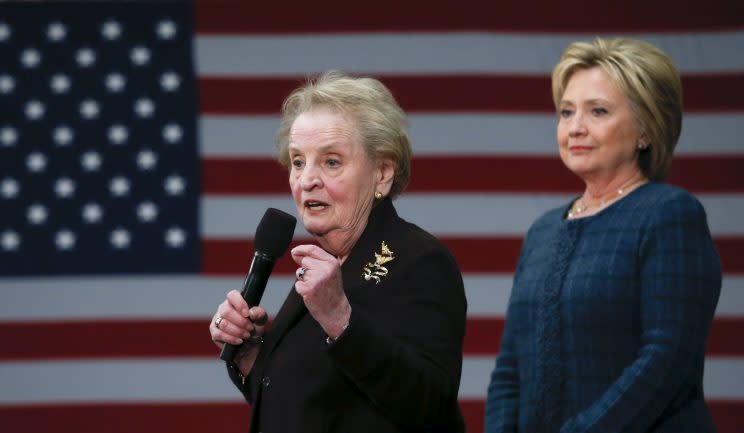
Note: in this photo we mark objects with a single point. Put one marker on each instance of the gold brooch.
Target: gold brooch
(373, 271)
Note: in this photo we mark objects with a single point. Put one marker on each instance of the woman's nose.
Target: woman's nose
(310, 177)
(576, 125)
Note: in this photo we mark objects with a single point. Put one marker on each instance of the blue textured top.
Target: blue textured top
(608, 320)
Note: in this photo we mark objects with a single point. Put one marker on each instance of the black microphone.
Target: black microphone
(273, 235)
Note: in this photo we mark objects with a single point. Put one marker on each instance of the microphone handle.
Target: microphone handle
(253, 289)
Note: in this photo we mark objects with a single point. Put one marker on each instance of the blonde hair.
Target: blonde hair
(381, 124)
(650, 81)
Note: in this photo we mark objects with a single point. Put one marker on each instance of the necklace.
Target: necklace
(581, 205)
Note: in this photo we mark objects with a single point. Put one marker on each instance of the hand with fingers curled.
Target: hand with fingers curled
(235, 322)
(320, 286)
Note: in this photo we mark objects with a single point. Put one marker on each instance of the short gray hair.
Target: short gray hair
(381, 123)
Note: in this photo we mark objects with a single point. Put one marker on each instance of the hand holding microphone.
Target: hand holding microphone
(273, 235)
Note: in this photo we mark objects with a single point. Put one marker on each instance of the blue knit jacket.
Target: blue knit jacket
(608, 320)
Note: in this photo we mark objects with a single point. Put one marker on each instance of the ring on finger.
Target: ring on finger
(301, 273)
(218, 321)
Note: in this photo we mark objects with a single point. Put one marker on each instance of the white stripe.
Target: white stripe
(121, 298)
(438, 53)
(118, 298)
(723, 377)
(149, 380)
(446, 214)
(159, 380)
(468, 134)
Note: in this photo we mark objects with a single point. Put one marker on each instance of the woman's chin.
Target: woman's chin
(581, 168)
(314, 228)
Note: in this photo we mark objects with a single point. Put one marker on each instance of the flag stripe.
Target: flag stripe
(152, 298)
(455, 173)
(162, 379)
(187, 338)
(225, 417)
(226, 256)
(445, 54)
(146, 417)
(485, 134)
(238, 216)
(228, 17)
(471, 93)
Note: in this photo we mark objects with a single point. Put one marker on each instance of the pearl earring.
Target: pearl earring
(378, 195)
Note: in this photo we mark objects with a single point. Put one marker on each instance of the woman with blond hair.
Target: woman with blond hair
(615, 291)
(370, 336)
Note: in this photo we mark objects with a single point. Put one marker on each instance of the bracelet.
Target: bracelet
(330, 340)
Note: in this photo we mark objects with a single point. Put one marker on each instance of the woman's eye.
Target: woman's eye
(598, 111)
(333, 162)
(565, 112)
(297, 163)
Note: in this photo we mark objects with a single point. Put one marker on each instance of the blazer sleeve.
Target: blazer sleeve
(502, 400)
(411, 369)
(680, 282)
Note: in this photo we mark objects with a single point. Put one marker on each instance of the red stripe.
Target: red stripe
(471, 93)
(224, 417)
(190, 338)
(731, 251)
(724, 338)
(231, 257)
(484, 336)
(483, 174)
(473, 254)
(127, 418)
(243, 176)
(237, 16)
(106, 339)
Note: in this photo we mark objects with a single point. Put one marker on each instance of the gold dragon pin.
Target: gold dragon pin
(375, 271)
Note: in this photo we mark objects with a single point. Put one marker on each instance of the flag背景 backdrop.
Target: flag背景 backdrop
(136, 159)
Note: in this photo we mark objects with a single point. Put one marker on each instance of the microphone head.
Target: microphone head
(274, 232)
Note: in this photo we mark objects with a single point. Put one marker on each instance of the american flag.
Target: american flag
(137, 157)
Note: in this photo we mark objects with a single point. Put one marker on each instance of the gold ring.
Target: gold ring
(217, 322)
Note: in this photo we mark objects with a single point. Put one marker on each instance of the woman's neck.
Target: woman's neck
(340, 242)
(599, 187)
(599, 195)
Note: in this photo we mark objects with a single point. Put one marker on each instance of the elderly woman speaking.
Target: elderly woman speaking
(370, 337)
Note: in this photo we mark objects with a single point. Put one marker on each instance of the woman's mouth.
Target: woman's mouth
(577, 149)
(315, 205)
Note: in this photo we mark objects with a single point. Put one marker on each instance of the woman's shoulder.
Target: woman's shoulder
(414, 242)
(665, 200)
(413, 237)
(664, 192)
(661, 206)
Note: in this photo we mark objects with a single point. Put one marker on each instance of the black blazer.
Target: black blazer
(396, 368)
